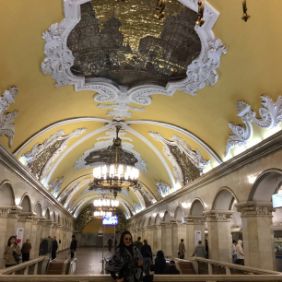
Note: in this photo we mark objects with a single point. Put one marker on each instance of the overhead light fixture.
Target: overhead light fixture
(119, 172)
(245, 16)
(159, 10)
(106, 203)
(200, 18)
(102, 213)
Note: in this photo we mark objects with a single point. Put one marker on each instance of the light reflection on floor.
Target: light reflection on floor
(89, 260)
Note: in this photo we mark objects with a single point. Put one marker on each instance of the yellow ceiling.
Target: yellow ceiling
(250, 68)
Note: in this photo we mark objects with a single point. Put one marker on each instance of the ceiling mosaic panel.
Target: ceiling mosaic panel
(124, 42)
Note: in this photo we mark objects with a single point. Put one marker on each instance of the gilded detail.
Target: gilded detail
(188, 169)
(124, 42)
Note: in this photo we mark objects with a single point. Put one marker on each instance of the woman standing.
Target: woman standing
(12, 252)
(126, 264)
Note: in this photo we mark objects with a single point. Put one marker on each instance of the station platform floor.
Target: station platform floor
(89, 259)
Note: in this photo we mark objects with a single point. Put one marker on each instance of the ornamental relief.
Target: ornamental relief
(100, 47)
(270, 116)
(7, 119)
(41, 157)
(187, 163)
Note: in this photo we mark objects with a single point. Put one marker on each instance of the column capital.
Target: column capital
(252, 208)
(194, 219)
(4, 211)
(26, 216)
(218, 215)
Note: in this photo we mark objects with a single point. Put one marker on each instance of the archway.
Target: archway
(7, 198)
(26, 204)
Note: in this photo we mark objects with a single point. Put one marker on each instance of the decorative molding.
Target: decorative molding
(54, 187)
(218, 215)
(252, 209)
(163, 188)
(40, 158)
(270, 117)
(59, 59)
(7, 119)
(194, 156)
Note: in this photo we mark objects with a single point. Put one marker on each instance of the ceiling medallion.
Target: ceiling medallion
(92, 49)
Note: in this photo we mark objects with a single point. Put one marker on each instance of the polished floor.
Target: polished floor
(89, 260)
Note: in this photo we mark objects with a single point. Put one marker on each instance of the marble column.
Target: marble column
(11, 227)
(157, 238)
(219, 237)
(195, 231)
(163, 237)
(25, 221)
(257, 234)
(174, 226)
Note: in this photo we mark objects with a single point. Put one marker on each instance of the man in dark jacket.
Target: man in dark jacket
(146, 252)
(73, 246)
(54, 248)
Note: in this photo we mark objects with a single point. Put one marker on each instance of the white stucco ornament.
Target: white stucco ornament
(270, 116)
(7, 119)
(201, 72)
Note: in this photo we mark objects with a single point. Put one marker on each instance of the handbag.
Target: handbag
(16, 257)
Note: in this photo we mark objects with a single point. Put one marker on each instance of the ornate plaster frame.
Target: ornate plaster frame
(200, 73)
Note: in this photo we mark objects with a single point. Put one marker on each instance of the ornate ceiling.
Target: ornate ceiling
(187, 97)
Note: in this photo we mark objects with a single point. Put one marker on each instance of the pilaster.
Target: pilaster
(257, 233)
(195, 231)
(219, 235)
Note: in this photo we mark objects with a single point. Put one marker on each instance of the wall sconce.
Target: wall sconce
(245, 16)
(200, 19)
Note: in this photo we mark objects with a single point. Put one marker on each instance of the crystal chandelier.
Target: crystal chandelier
(102, 213)
(106, 203)
(119, 172)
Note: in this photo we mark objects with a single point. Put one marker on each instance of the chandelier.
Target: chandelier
(102, 213)
(106, 203)
(119, 171)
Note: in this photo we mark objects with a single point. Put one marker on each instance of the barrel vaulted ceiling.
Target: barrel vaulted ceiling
(187, 97)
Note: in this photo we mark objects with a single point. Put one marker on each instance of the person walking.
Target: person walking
(181, 249)
(200, 250)
(12, 252)
(126, 264)
(73, 246)
(240, 253)
(110, 244)
(146, 252)
(26, 247)
(234, 251)
(138, 243)
(54, 248)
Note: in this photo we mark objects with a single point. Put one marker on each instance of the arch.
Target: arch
(38, 210)
(26, 204)
(47, 214)
(7, 194)
(59, 219)
(158, 219)
(224, 199)
(166, 217)
(267, 184)
(54, 218)
(197, 208)
(179, 214)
